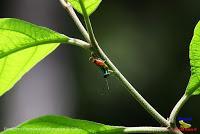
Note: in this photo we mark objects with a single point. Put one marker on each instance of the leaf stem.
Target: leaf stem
(89, 27)
(118, 74)
(78, 42)
(150, 129)
(72, 41)
(146, 130)
(176, 109)
(75, 18)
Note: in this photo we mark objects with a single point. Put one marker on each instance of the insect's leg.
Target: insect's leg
(107, 84)
(93, 56)
(111, 71)
(105, 71)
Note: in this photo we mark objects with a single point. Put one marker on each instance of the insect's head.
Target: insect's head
(92, 59)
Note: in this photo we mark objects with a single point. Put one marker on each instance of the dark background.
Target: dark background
(148, 40)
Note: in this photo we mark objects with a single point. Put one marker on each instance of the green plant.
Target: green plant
(27, 44)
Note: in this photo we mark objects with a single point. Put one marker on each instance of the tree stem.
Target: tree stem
(75, 18)
(89, 27)
(146, 130)
(128, 86)
(90, 37)
(80, 43)
(176, 109)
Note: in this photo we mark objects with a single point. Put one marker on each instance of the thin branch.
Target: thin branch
(146, 130)
(88, 26)
(79, 43)
(177, 108)
(154, 130)
(118, 74)
(91, 38)
(135, 93)
(75, 18)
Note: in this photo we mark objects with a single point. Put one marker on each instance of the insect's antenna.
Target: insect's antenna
(107, 84)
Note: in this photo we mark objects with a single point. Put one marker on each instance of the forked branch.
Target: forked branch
(177, 109)
(95, 48)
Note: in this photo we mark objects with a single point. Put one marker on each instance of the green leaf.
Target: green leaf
(90, 5)
(62, 125)
(194, 82)
(23, 45)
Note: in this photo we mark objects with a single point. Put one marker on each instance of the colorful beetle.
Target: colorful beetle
(101, 63)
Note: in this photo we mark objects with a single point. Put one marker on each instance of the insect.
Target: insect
(184, 124)
(102, 65)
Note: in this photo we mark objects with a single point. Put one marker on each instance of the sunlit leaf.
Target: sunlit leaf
(90, 5)
(62, 125)
(22, 45)
(194, 83)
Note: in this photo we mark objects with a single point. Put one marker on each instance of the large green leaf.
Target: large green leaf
(194, 83)
(90, 5)
(22, 45)
(62, 125)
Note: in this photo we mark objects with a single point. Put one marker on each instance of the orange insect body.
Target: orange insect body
(100, 63)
